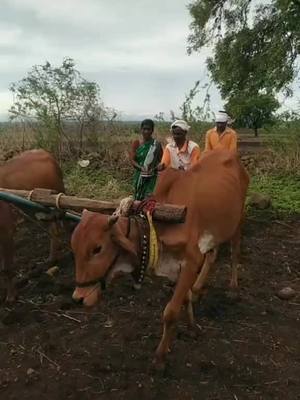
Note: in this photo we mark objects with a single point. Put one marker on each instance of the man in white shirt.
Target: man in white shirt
(181, 153)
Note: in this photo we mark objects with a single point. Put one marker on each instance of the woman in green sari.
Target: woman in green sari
(145, 157)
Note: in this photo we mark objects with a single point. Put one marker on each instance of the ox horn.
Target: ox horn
(112, 220)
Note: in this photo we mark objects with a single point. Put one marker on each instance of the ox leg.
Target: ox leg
(235, 256)
(214, 254)
(189, 308)
(171, 313)
(202, 276)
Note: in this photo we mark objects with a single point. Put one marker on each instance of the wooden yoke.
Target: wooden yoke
(163, 212)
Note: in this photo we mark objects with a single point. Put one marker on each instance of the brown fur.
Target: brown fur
(214, 192)
(29, 170)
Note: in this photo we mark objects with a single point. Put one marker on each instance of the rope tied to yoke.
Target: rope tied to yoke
(147, 205)
(144, 210)
(57, 199)
(124, 207)
(30, 195)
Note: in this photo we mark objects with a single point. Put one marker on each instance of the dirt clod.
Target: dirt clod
(286, 293)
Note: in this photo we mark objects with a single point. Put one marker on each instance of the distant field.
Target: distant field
(274, 170)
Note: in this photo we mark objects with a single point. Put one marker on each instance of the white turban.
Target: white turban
(221, 117)
(181, 124)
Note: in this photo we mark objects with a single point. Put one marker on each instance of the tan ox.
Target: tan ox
(214, 192)
(31, 169)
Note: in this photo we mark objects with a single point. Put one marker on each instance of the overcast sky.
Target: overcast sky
(134, 49)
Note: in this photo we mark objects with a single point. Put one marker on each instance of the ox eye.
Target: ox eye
(97, 250)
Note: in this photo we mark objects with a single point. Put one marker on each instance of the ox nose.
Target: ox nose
(78, 300)
(77, 297)
(86, 296)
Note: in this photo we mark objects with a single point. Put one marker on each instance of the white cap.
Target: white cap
(221, 117)
(181, 124)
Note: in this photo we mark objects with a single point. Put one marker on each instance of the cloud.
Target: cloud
(134, 49)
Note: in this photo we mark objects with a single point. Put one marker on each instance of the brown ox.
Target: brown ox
(214, 192)
(31, 169)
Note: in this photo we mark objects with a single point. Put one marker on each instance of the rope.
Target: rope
(124, 207)
(57, 198)
(153, 244)
(147, 205)
(30, 194)
(95, 287)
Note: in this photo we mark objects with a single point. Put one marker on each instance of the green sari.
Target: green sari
(147, 155)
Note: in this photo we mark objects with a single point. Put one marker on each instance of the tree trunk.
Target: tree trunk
(255, 132)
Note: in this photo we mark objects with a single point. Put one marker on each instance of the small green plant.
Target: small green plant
(284, 191)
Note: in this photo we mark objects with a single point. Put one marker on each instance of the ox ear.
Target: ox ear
(112, 220)
(121, 240)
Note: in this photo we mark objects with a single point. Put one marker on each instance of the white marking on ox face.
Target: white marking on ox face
(206, 242)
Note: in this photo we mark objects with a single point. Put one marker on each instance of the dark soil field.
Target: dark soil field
(243, 346)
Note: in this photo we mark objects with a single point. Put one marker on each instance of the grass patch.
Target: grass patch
(95, 184)
(114, 184)
(283, 190)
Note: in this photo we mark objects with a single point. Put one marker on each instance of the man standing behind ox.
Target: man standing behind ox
(221, 137)
(181, 153)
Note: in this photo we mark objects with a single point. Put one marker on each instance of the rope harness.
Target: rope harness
(149, 254)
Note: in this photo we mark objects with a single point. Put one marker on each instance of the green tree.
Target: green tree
(254, 49)
(53, 97)
(199, 113)
(253, 111)
(254, 45)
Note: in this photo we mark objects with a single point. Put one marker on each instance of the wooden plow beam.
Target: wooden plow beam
(36, 210)
(163, 212)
